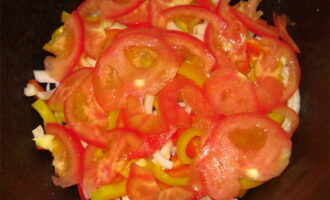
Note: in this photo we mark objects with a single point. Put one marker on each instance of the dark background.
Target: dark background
(26, 173)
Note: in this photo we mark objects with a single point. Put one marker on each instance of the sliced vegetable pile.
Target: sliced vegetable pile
(167, 99)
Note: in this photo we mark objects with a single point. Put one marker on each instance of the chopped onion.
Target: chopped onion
(159, 158)
(38, 132)
(42, 77)
(30, 90)
(148, 103)
(294, 101)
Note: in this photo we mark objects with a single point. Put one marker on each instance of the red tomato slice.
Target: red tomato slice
(289, 115)
(176, 192)
(189, 11)
(141, 184)
(85, 116)
(138, 62)
(229, 43)
(67, 48)
(68, 86)
(180, 40)
(269, 65)
(136, 118)
(115, 8)
(181, 89)
(95, 36)
(230, 92)
(71, 155)
(155, 7)
(280, 22)
(258, 26)
(101, 167)
(137, 16)
(243, 145)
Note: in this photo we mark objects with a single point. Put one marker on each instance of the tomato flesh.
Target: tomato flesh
(67, 48)
(68, 86)
(102, 166)
(230, 93)
(138, 63)
(141, 184)
(85, 116)
(73, 151)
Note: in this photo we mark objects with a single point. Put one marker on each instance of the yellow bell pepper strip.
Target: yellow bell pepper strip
(111, 191)
(49, 46)
(276, 117)
(65, 15)
(193, 72)
(248, 183)
(44, 111)
(162, 176)
(183, 142)
(112, 119)
(59, 116)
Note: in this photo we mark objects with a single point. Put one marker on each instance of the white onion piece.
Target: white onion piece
(42, 77)
(38, 132)
(148, 103)
(159, 158)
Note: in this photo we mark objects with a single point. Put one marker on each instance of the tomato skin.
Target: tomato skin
(141, 184)
(229, 92)
(259, 27)
(138, 81)
(113, 9)
(179, 39)
(58, 67)
(85, 116)
(68, 86)
(74, 151)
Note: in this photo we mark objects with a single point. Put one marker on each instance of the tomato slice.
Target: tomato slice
(229, 92)
(67, 150)
(136, 118)
(85, 116)
(258, 26)
(138, 62)
(137, 16)
(280, 57)
(195, 51)
(115, 8)
(189, 11)
(182, 89)
(102, 166)
(280, 22)
(68, 86)
(141, 184)
(67, 47)
(176, 192)
(243, 145)
(289, 115)
(209, 4)
(228, 44)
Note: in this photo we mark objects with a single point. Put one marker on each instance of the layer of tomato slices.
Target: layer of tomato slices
(225, 83)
